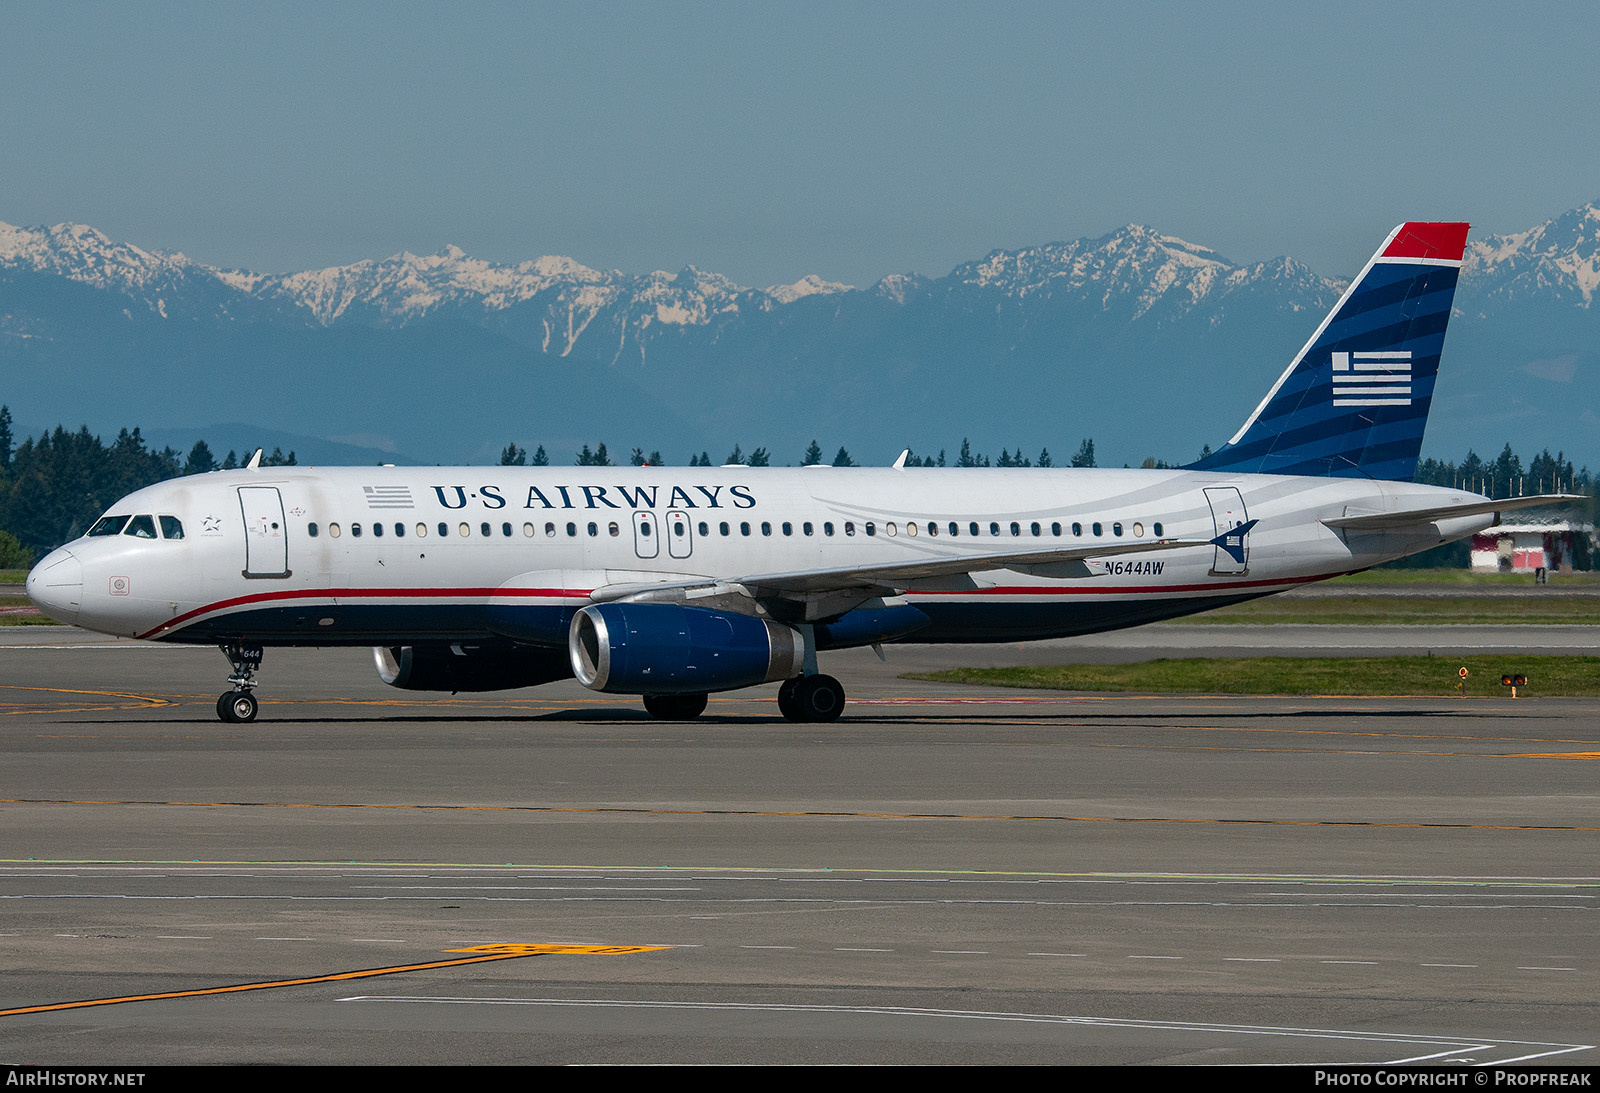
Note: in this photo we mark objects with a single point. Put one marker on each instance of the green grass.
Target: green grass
(13, 576)
(32, 618)
(1428, 676)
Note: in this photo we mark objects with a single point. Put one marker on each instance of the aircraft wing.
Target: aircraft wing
(803, 582)
(1420, 518)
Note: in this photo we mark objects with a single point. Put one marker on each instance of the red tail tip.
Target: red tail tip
(1445, 242)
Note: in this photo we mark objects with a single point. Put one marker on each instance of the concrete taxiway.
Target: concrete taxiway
(945, 875)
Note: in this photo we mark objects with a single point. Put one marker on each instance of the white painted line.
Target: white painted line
(286, 939)
(385, 940)
(1057, 954)
(1372, 962)
(1449, 965)
(183, 937)
(1255, 959)
(838, 949)
(1448, 1044)
(1155, 958)
(960, 952)
(1537, 968)
(766, 946)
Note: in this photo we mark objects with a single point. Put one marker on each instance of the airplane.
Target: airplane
(673, 583)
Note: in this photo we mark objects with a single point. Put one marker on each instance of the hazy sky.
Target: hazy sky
(767, 141)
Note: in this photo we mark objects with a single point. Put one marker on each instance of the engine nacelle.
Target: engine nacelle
(666, 648)
(468, 668)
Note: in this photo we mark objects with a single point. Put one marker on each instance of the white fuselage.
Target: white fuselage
(395, 556)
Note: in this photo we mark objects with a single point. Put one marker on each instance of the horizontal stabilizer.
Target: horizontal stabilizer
(1420, 518)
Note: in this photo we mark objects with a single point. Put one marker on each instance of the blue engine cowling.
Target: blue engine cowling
(664, 648)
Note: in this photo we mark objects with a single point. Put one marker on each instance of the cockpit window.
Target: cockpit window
(171, 527)
(142, 527)
(108, 525)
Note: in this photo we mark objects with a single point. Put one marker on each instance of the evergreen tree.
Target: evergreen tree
(540, 459)
(965, 458)
(760, 458)
(842, 459)
(637, 459)
(813, 455)
(1044, 458)
(1085, 453)
(735, 456)
(200, 459)
(513, 456)
(655, 460)
(5, 437)
(231, 463)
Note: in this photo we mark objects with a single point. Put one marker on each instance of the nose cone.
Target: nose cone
(56, 586)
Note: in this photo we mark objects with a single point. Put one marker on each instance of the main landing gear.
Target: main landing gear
(239, 705)
(811, 698)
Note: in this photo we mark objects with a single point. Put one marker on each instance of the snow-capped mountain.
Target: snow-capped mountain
(1558, 261)
(1043, 344)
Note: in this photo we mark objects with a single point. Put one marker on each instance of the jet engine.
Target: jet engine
(468, 667)
(662, 649)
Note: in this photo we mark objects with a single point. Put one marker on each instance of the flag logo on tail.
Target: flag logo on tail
(1372, 379)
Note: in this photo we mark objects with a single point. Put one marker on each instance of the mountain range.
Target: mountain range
(1150, 344)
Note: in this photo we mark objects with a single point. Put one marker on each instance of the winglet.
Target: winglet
(255, 462)
(1231, 542)
(900, 464)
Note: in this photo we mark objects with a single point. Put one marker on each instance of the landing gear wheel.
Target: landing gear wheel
(786, 704)
(238, 707)
(818, 698)
(675, 707)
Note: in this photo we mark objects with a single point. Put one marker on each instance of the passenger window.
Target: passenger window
(572, 529)
(1055, 529)
(994, 528)
(108, 525)
(911, 529)
(766, 527)
(723, 527)
(705, 529)
(806, 528)
(444, 529)
(333, 530)
(933, 528)
(377, 530)
(872, 529)
(594, 529)
(744, 527)
(399, 530)
(849, 527)
(142, 527)
(484, 529)
(1016, 528)
(613, 529)
(422, 530)
(171, 527)
(528, 530)
(955, 528)
(1034, 527)
(464, 528)
(311, 529)
(1138, 529)
(889, 529)
(827, 527)
(788, 528)
(1116, 528)
(1097, 529)
(679, 527)
(1157, 529)
(1077, 529)
(549, 529)
(355, 531)
(972, 528)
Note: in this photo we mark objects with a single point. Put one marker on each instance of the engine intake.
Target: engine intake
(659, 648)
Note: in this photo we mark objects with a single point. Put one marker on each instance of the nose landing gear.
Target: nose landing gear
(239, 705)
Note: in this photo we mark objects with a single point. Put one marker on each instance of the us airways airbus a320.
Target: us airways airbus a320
(671, 583)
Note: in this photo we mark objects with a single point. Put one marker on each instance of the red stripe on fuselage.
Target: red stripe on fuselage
(369, 593)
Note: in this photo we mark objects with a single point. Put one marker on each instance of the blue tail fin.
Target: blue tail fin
(1355, 400)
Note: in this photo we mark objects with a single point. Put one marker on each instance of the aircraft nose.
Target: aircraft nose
(55, 586)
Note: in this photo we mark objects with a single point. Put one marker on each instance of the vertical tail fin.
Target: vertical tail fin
(1354, 401)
